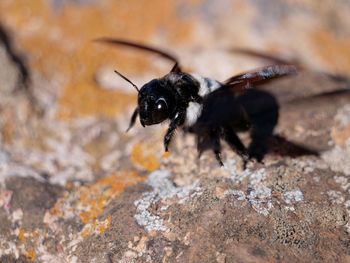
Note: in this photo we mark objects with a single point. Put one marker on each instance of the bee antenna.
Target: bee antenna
(125, 78)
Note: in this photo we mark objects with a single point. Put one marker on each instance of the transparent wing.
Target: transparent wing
(259, 76)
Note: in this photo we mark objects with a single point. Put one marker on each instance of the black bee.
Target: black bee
(210, 109)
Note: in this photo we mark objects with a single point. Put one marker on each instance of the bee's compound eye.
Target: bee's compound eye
(161, 105)
(160, 112)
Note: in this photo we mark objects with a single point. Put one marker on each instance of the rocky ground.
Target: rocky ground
(74, 187)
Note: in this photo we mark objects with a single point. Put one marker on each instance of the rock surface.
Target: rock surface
(74, 187)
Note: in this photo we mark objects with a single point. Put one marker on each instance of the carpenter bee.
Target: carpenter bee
(210, 109)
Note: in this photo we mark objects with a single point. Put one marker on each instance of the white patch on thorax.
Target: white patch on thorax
(193, 112)
(206, 85)
(194, 109)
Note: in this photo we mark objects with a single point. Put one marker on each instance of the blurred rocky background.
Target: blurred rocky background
(76, 188)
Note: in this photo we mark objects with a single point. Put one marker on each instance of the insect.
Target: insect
(210, 109)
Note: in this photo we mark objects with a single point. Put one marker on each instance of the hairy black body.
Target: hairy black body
(225, 114)
(212, 110)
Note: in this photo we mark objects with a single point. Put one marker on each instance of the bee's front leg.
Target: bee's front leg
(133, 119)
(178, 120)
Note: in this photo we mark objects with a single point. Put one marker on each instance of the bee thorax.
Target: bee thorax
(206, 85)
(193, 112)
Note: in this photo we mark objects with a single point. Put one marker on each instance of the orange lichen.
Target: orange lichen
(86, 232)
(59, 44)
(95, 197)
(332, 50)
(96, 202)
(22, 235)
(166, 155)
(104, 225)
(36, 234)
(341, 135)
(56, 210)
(90, 215)
(97, 227)
(31, 254)
(147, 160)
(8, 127)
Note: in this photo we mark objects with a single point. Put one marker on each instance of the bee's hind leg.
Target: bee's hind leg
(200, 145)
(216, 146)
(261, 131)
(235, 143)
(209, 139)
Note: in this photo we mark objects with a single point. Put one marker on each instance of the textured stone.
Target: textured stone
(74, 187)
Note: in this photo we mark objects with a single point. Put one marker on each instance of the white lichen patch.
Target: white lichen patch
(260, 200)
(163, 189)
(307, 165)
(336, 197)
(256, 178)
(258, 193)
(17, 216)
(294, 196)
(237, 175)
(3, 157)
(146, 218)
(11, 169)
(110, 160)
(59, 151)
(339, 198)
(238, 194)
(9, 248)
(338, 158)
(343, 182)
(343, 115)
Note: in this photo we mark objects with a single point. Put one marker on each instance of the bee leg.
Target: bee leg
(258, 147)
(218, 157)
(215, 139)
(261, 132)
(235, 143)
(200, 145)
(133, 119)
(204, 142)
(176, 122)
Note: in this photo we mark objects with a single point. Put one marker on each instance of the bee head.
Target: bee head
(155, 102)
